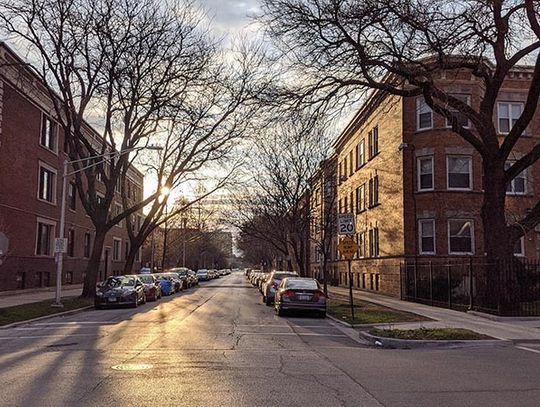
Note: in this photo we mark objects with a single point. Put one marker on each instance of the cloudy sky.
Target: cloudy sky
(230, 16)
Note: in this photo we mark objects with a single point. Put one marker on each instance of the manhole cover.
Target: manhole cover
(133, 366)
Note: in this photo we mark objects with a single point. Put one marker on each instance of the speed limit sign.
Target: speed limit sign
(346, 224)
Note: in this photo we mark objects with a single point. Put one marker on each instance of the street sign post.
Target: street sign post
(60, 245)
(348, 247)
(346, 224)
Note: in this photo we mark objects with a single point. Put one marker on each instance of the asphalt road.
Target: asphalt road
(219, 346)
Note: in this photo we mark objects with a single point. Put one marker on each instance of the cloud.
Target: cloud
(230, 16)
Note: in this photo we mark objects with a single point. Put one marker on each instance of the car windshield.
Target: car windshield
(302, 284)
(120, 281)
(147, 279)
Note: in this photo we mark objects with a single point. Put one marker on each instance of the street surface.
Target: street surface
(218, 345)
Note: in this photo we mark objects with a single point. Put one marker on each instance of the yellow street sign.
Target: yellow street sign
(347, 247)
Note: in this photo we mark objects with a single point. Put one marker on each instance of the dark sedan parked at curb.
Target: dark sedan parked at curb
(152, 289)
(303, 294)
(120, 290)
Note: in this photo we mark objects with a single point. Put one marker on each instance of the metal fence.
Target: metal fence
(502, 288)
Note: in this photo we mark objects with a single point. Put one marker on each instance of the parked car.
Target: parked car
(272, 283)
(152, 289)
(145, 270)
(166, 284)
(203, 275)
(120, 290)
(182, 275)
(193, 277)
(297, 293)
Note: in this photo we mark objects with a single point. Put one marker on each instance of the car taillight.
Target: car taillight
(288, 294)
(318, 295)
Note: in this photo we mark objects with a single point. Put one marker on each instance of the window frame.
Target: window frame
(361, 162)
(522, 247)
(52, 224)
(117, 256)
(420, 237)
(524, 174)
(87, 249)
(468, 101)
(510, 118)
(52, 124)
(450, 252)
(361, 198)
(419, 102)
(47, 167)
(470, 159)
(419, 173)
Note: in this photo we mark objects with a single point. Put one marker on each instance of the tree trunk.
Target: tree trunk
(90, 280)
(502, 288)
(130, 259)
(325, 275)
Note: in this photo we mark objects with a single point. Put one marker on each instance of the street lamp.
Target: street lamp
(60, 244)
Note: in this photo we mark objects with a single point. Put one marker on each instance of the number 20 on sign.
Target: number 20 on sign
(346, 224)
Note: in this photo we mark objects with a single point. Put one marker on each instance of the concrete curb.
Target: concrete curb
(502, 319)
(392, 343)
(339, 321)
(58, 314)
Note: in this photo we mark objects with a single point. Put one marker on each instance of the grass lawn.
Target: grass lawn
(430, 334)
(39, 309)
(368, 313)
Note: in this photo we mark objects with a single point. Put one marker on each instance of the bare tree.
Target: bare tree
(287, 154)
(323, 214)
(135, 64)
(341, 48)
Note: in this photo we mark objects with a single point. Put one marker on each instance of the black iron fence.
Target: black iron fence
(503, 287)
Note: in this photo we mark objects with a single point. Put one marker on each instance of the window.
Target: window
(374, 242)
(45, 233)
(425, 173)
(117, 249)
(48, 133)
(361, 240)
(518, 186)
(373, 139)
(118, 211)
(351, 202)
(72, 198)
(344, 170)
(374, 191)
(118, 185)
(424, 115)
(426, 230)
(71, 243)
(360, 154)
(460, 236)
(351, 164)
(361, 198)
(47, 184)
(69, 277)
(462, 119)
(519, 247)
(139, 223)
(508, 114)
(459, 172)
(87, 243)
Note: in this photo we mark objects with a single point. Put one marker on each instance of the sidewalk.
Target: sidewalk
(511, 329)
(12, 298)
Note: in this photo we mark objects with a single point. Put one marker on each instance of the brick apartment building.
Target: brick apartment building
(31, 156)
(416, 187)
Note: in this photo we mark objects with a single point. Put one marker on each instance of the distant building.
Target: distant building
(31, 157)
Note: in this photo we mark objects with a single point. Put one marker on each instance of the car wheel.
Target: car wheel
(264, 299)
(279, 311)
(268, 301)
(322, 314)
(135, 303)
(143, 301)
